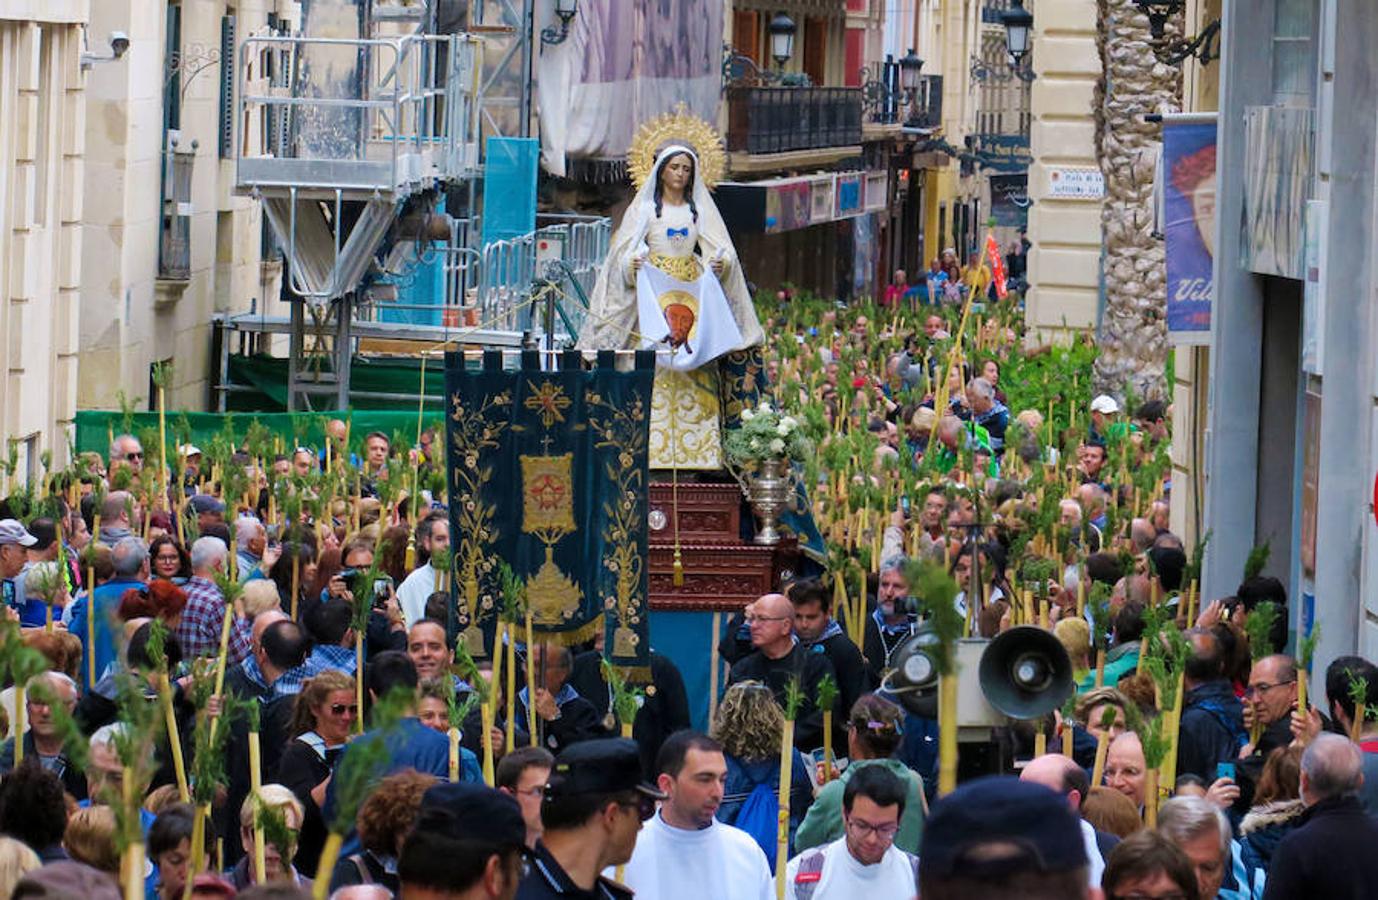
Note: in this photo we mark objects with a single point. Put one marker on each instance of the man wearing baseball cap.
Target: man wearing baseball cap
(1105, 411)
(14, 543)
(1002, 837)
(594, 805)
(469, 842)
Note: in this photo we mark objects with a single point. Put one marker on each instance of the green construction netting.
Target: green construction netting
(267, 404)
(268, 376)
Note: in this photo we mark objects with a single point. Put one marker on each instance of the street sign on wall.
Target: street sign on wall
(1076, 183)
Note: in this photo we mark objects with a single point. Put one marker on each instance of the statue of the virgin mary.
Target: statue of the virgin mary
(673, 226)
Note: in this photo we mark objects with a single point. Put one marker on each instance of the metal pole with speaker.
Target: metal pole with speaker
(1024, 673)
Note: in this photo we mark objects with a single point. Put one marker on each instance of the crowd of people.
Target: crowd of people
(322, 638)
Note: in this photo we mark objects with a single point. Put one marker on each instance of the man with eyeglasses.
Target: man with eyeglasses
(779, 660)
(594, 806)
(1268, 702)
(865, 862)
(684, 851)
(522, 775)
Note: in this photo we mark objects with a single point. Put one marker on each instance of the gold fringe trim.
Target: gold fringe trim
(569, 638)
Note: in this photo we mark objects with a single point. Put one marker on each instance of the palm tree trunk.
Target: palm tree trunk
(1133, 329)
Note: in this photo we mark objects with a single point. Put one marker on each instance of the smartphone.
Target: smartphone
(382, 589)
(904, 506)
(1224, 770)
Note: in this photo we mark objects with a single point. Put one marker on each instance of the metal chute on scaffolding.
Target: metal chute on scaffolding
(362, 136)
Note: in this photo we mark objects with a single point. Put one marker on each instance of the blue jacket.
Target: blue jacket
(411, 745)
(1212, 729)
(107, 601)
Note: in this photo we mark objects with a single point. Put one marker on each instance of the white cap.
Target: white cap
(1105, 404)
(189, 450)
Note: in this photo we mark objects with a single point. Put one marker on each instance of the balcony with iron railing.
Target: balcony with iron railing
(887, 104)
(764, 120)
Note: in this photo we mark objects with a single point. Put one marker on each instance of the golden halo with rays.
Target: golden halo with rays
(678, 127)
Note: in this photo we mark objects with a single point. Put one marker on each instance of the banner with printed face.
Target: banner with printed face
(688, 324)
(1189, 227)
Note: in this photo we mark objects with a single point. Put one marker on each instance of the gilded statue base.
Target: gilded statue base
(686, 433)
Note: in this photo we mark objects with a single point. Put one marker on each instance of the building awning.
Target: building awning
(775, 205)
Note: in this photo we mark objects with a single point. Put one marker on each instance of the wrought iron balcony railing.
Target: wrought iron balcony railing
(786, 119)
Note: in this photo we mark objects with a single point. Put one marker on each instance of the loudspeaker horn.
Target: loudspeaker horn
(1026, 673)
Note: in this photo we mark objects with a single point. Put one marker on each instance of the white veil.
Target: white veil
(611, 323)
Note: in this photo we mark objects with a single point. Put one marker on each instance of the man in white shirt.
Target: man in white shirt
(432, 533)
(865, 862)
(1063, 775)
(683, 851)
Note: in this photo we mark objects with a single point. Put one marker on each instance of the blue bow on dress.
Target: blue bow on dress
(681, 232)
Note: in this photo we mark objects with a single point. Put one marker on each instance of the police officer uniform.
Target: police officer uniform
(605, 766)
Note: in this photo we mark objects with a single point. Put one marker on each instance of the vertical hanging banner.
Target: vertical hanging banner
(548, 472)
(1189, 224)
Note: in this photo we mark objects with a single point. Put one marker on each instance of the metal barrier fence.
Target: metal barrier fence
(490, 287)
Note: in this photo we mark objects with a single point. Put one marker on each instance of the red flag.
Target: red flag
(997, 267)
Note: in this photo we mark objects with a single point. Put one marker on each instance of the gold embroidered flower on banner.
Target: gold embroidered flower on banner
(549, 401)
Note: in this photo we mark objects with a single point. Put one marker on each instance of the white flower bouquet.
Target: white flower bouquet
(765, 433)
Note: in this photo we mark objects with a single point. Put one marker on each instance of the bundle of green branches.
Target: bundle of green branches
(1258, 625)
(626, 699)
(1257, 560)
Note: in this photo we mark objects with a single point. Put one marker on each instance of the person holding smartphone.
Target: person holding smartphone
(387, 630)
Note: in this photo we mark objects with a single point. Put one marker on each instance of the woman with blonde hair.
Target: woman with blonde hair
(1110, 811)
(749, 724)
(278, 853)
(322, 721)
(16, 861)
(90, 838)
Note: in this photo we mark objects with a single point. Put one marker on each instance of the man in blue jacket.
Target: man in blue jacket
(410, 745)
(130, 557)
(1212, 729)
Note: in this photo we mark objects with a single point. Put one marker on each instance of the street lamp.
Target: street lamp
(1158, 12)
(566, 10)
(781, 38)
(1018, 23)
(910, 67)
(1174, 51)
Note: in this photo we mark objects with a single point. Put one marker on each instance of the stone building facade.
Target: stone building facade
(42, 139)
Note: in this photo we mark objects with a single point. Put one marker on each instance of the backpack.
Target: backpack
(760, 817)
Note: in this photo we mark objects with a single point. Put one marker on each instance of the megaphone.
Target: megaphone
(1022, 674)
(1026, 673)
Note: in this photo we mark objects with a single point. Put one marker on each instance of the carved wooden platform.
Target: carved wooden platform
(721, 571)
(707, 513)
